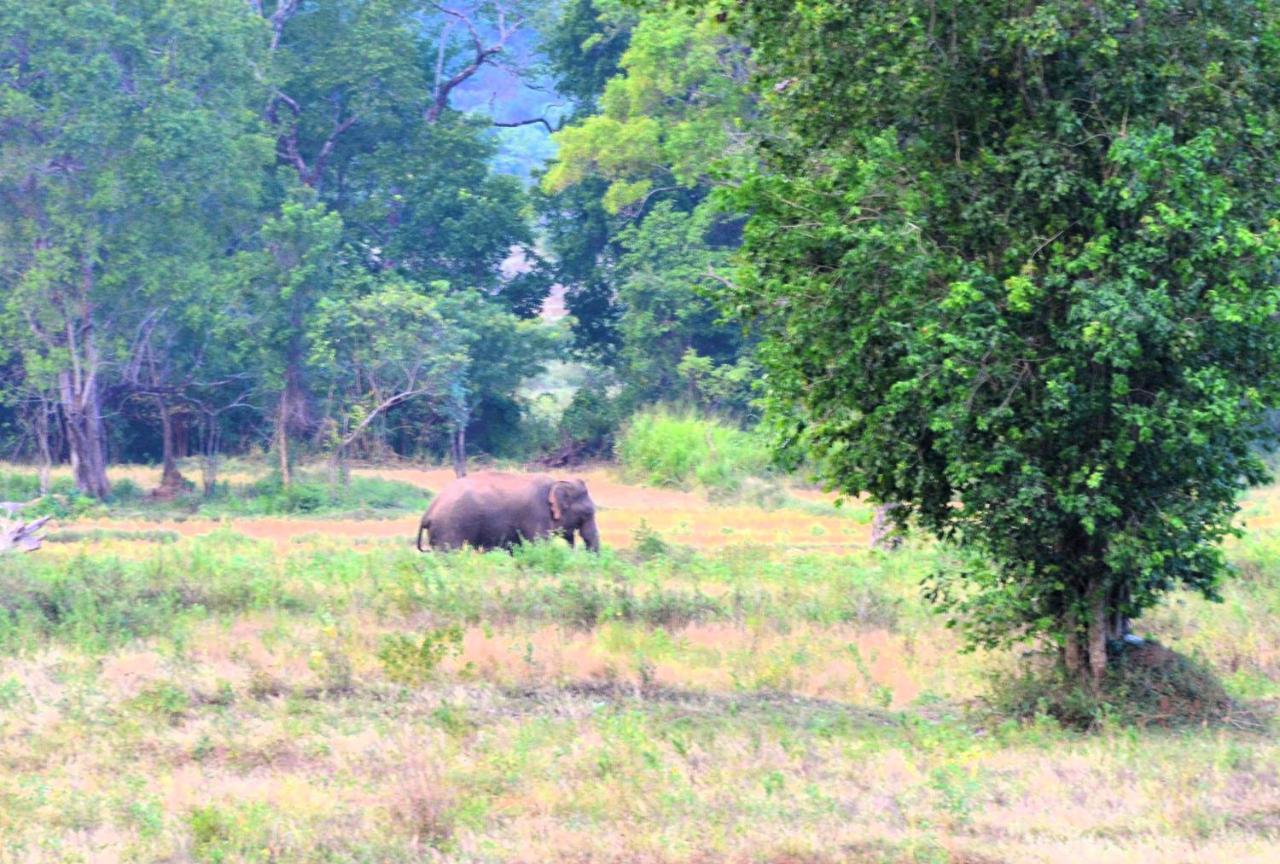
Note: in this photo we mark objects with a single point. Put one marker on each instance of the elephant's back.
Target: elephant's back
(490, 509)
(494, 487)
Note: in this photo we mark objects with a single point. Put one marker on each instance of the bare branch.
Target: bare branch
(386, 405)
(509, 124)
(482, 55)
(284, 11)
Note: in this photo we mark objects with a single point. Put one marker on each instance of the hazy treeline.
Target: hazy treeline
(296, 227)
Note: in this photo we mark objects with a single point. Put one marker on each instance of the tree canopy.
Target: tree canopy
(1016, 271)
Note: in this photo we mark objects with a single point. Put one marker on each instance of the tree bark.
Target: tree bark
(170, 476)
(82, 413)
(42, 442)
(458, 450)
(1097, 633)
(1071, 654)
(884, 531)
(282, 436)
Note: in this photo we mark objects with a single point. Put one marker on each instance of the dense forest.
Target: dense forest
(1009, 269)
(332, 229)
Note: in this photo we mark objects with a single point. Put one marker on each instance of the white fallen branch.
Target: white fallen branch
(21, 536)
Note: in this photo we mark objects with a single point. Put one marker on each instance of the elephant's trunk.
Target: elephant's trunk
(590, 535)
(422, 526)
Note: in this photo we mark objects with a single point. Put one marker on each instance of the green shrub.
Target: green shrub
(591, 421)
(1145, 685)
(310, 496)
(413, 662)
(18, 487)
(668, 449)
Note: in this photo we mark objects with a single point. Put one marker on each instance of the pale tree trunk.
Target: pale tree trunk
(209, 462)
(42, 442)
(1097, 634)
(82, 414)
(1084, 648)
(884, 532)
(282, 436)
(78, 392)
(209, 435)
(458, 450)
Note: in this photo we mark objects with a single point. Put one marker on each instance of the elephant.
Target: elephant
(494, 510)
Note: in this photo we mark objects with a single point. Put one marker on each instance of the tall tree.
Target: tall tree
(672, 114)
(117, 119)
(299, 267)
(1016, 267)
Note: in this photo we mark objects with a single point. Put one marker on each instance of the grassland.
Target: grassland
(726, 683)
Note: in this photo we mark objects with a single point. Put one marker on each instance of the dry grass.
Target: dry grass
(770, 734)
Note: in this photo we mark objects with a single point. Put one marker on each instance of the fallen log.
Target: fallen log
(21, 536)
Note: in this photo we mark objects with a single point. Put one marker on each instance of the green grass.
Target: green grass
(662, 448)
(309, 495)
(222, 699)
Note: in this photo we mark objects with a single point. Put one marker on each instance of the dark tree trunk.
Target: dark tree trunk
(1097, 633)
(181, 435)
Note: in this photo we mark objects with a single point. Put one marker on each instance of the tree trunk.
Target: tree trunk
(1071, 654)
(170, 476)
(884, 531)
(458, 450)
(282, 436)
(82, 414)
(42, 442)
(1097, 633)
(1084, 648)
(209, 433)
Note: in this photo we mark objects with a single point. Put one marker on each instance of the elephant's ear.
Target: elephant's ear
(556, 512)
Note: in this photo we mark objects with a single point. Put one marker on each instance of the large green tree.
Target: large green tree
(128, 131)
(626, 197)
(1016, 267)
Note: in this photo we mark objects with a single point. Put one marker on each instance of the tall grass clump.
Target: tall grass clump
(663, 448)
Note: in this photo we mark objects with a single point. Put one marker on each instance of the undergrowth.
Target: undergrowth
(662, 448)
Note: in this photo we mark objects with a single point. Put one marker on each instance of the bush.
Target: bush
(26, 487)
(591, 421)
(269, 497)
(1145, 685)
(667, 449)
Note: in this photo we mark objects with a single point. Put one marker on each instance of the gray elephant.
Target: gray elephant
(493, 510)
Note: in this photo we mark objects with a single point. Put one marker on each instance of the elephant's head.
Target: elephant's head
(573, 510)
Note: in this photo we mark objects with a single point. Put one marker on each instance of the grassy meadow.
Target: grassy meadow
(733, 681)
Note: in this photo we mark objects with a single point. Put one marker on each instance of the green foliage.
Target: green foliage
(270, 497)
(666, 118)
(585, 44)
(672, 335)
(413, 662)
(591, 420)
(666, 449)
(675, 112)
(1016, 270)
(1145, 685)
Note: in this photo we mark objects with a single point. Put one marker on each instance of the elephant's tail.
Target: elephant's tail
(422, 526)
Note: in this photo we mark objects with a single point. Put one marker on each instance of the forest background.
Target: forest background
(338, 230)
